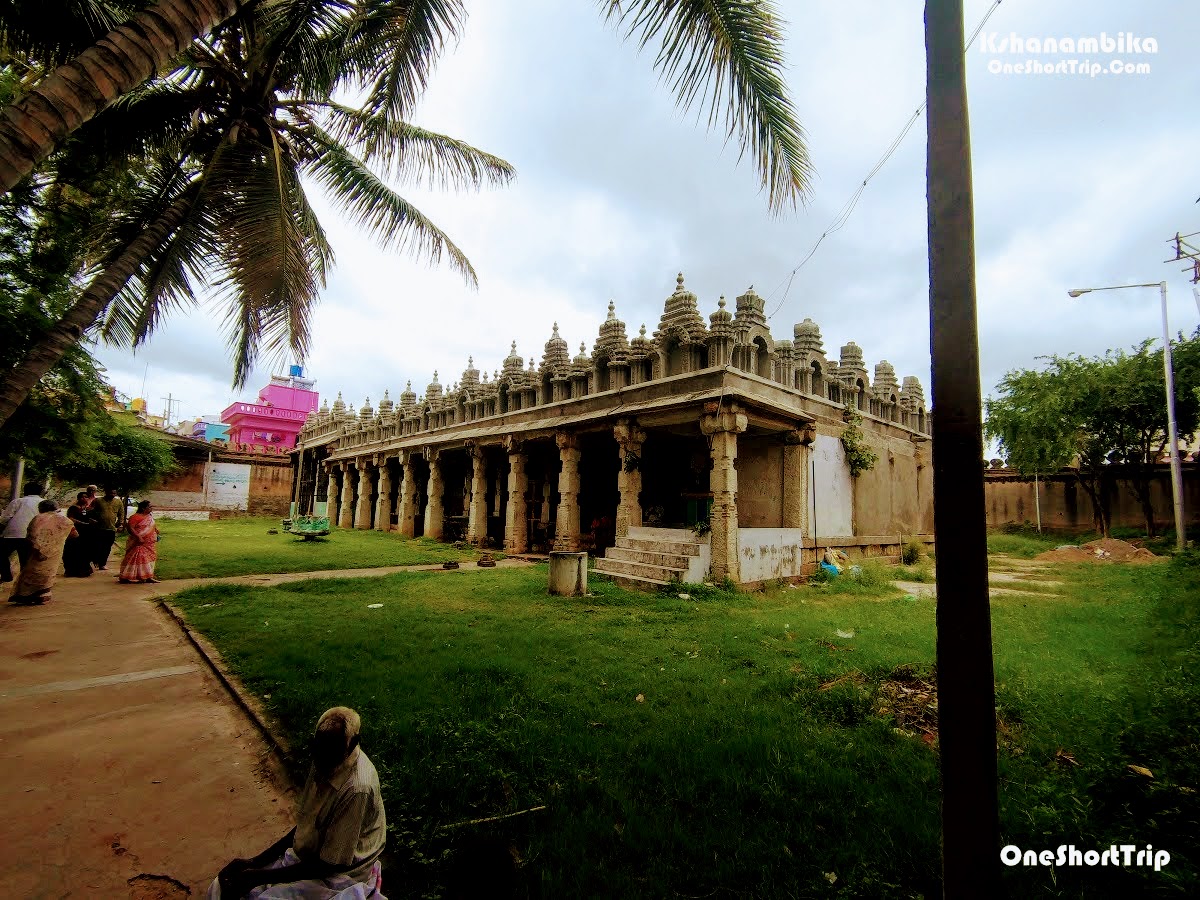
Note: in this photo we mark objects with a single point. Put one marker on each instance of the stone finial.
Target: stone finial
(808, 338)
(408, 400)
(851, 356)
(750, 309)
(366, 412)
(470, 375)
(582, 363)
(884, 385)
(912, 395)
(612, 341)
(557, 357)
(339, 407)
(641, 347)
(681, 315)
(434, 390)
(514, 363)
(721, 322)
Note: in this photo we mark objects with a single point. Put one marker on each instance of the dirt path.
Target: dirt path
(125, 768)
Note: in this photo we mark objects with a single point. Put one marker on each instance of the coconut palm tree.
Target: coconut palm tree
(725, 52)
(227, 142)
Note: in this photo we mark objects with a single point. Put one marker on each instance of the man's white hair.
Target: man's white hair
(341, 720)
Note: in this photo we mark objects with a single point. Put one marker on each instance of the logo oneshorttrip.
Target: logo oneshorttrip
(1123, 53)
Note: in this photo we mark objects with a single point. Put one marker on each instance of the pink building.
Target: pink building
(275, 420)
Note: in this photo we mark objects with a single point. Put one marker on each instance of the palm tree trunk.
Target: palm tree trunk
(965, 677)
(32, 128)
(47, 350)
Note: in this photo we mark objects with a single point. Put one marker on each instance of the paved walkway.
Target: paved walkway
(125, 768)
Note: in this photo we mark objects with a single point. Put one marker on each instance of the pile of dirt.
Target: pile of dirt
(1105, 550)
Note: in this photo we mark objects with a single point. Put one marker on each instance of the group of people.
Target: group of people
(43, 539)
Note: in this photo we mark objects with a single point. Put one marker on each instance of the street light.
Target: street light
(1172, 431)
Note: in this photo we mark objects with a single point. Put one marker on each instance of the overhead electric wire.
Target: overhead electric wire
(844, 214)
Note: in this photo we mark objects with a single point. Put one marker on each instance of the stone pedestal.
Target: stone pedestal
(406, 518)
(346, 512)
(516, 527)
(629, 477)
(383, 505)
(434, 512)
(477, 511)
(797, 468)
(722, 430)
(568, 574)
(566, 528)
(362, 513)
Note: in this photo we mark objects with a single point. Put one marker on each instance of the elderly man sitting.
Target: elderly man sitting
(333, 852)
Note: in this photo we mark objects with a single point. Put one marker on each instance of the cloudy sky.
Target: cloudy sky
(1079, 181)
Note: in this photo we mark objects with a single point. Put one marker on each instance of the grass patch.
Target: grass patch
(242, 546)
(756, 762)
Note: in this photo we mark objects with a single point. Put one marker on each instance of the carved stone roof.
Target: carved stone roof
(912, 394)
(366, 412)
(408, 400)
(681, 317)
(339, 407)
(386, 406)
(433, 392)
(582, 363)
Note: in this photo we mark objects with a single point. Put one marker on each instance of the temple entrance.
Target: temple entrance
(456, 484)
(598, 495)
(675, 491)
(497, 494)
(542, 495)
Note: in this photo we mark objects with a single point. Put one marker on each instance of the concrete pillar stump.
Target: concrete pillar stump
(568, 573)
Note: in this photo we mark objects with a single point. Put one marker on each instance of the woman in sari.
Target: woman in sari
(140, 553)
(48, 532)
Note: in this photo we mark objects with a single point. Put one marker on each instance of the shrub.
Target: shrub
(911, 553)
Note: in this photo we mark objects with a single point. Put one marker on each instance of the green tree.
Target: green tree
(1088, 413)
(118, 453)
(223, 143)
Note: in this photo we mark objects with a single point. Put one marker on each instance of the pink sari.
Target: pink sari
(140, 552)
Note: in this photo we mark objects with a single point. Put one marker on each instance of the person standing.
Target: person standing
(108, 513)
(48, 533)
(77, 557)
(15, 521)
(137, 566)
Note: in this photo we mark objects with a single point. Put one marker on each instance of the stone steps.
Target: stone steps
(662, 574)
(678, 548)
(635, 582)
(651, 557)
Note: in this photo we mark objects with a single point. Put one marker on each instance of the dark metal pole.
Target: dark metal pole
(966, 690)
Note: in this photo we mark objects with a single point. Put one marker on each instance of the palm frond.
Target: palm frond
(409, 151)
(371, 204)
(55, 31)
(396, 44)
(271, 264)
(727, 55)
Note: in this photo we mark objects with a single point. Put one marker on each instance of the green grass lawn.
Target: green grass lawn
(729, 745)
(243, 547)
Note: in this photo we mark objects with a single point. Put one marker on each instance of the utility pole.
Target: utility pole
(1186, 249)
(170, 401)
(965, 677)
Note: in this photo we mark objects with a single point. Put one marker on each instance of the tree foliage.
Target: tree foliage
(117, 452)
(1089, 413)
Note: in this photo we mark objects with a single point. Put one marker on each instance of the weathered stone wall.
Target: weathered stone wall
(760, 481)
(1065, 505)
(269, 491)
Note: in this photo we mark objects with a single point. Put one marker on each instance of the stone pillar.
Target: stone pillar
(408, 496)
(331, 495)
(383, 505)
(516, 525)
(299, 476)
(722, 431)
(797, 453)
(362, 513)
(629, 477)
(434, 511)
(566, 527)
(346, 511)
(477, 511)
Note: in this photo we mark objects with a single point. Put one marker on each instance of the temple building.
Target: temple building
(703, 450)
